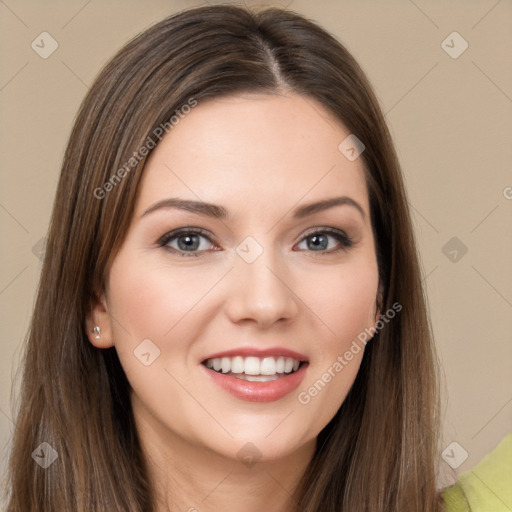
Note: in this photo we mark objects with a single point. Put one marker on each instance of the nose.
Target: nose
(261, 292)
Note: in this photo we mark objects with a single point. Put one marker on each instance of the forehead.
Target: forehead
(250, 150)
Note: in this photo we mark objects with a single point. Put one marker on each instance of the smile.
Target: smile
(256, 379)
(254, 369)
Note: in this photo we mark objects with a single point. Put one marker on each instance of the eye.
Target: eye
(188, 241)
(318, 241)
(194, 241)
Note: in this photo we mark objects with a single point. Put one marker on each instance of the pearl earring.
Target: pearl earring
(96, 331)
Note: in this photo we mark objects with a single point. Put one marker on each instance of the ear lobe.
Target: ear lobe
(378, 303)
(98, 323)
(378, 306)
(377, 316)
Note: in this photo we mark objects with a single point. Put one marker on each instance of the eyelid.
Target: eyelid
(324, 229)
(184, 230)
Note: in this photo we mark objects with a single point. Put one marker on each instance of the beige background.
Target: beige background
(451, 121)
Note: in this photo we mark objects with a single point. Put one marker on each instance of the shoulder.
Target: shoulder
(486, 487)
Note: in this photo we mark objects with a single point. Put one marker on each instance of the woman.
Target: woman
(230, 313)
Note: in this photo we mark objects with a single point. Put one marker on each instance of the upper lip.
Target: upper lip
(258, 352)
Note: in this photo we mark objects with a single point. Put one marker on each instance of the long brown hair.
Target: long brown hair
(379, 453)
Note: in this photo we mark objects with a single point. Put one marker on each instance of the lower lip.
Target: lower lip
(258, 391)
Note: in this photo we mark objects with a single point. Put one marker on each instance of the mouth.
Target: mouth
(257, 378)
(254, 369)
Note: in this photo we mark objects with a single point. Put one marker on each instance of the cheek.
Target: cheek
(166, 305)
(344, 302)
(150, 305)
(144, 308)
(148, 300)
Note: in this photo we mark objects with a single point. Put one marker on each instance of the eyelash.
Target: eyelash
(340, 236)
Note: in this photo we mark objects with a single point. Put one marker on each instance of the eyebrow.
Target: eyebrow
(219, 212)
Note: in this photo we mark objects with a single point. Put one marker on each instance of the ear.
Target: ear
(99, 316)
(378, 304)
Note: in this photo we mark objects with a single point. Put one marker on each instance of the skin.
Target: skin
(259, 156)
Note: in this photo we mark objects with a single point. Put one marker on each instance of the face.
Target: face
(258, 278)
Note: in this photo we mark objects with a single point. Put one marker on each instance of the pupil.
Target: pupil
(190, 242)
(317, 243)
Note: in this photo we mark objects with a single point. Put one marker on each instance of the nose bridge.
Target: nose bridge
(260, 289)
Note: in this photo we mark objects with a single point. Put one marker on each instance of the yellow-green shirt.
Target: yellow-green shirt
(487, 487)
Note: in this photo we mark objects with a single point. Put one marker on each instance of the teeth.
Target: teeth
(255, 378)
(237, 364)
(254, 366)
(268, 366)
(225, 364)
